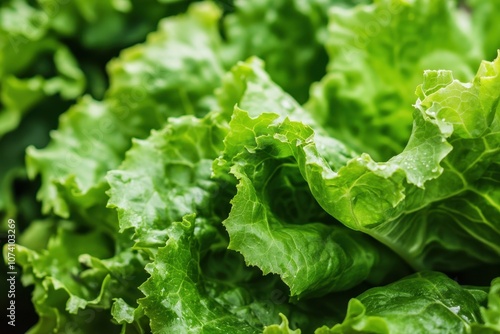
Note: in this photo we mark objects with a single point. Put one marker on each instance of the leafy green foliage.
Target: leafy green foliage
(50, 53)
(282, 328)
(486, 28)
(183, 308)
(377, 55)
(309, 252)
(71, 174)
(175, 183)
(409, 194)
(491, 313)
(426, 302)
(248, 167)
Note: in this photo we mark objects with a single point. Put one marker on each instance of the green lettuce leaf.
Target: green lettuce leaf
(231, 207)
(35, 42)
(90, 140)
(377, 55)
(197, 291)
(175, 301)
(173, 73)
(63, 297)
(18, 194)
(33, 65)
(158, 183)
(275, 222)
(427, 302)
(277, 225)
(133, 320)
(250, 87)
(166, 177)
(126, 269)
(107, 24)
(416, 193)
(77, 275)
(465, 193)
(283, 328)
(491, 313)
(256, 29)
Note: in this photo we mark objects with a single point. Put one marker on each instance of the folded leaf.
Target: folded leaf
(62, 296)
(427, 302)
(158, 183)
(257, 29)
(282, 328)
(173, 73)
(491, 313)
(377, 55)
(175, 300)
(166, 177)
(450, 162)
(76, 276)
(277, 225)
(275, 222)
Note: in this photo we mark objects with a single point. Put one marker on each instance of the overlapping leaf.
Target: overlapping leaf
(377, 55)
(275, 222)
(76, 275)
(173, 73)
(313, 210)
(166, 177)
(491, 313)
(185, 308)
(33, 64)
(420, 192)
(427, 302)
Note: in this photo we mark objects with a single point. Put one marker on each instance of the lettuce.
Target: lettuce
(445, 307)
(254, 167)
(52, 52)
(140, 98)
(377, 55)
